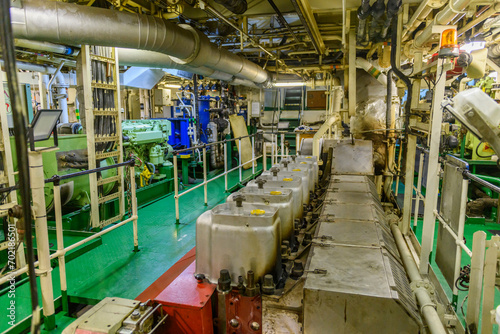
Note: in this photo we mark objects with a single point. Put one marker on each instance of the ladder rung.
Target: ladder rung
(103, 85)
(109, 221)
(109, 197)
(108, 180)
(100, 139)
(112, 112)
(103, 59)
(100, 156)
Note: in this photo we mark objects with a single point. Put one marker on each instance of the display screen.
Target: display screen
(44, 122)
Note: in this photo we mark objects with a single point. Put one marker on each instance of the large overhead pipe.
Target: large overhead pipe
(141, 58)
(235, 6)
(59, 22)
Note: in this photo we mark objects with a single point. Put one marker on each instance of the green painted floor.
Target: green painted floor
(112, 269)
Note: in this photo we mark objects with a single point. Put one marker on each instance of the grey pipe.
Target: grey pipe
(66, 23)
(141, 58)
(426, 304)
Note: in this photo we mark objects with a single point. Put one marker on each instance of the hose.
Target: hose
(388, 105)
(21, 152)
(152, 170)
(328, 166)
(399, 74)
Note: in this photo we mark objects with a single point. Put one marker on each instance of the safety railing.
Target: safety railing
(452, 211)
(484, 254)
(62, 250)
(278, 141)
(206, 181)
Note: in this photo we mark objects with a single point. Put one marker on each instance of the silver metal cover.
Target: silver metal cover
(355, 233)
(237, 239)
(358, 294)
(354, 159)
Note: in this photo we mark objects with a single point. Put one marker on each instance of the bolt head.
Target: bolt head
(135, 315)
(255, 326)
(234, 323)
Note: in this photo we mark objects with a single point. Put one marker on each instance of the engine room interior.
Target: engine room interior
(247, 166)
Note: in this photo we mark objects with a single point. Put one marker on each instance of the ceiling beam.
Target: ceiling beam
(306, 16)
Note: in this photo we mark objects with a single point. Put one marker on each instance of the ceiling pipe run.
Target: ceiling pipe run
(450, 12)
(141, 58)
(65, 23)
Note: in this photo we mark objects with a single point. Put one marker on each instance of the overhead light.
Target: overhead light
(172, 86)
(289, 84)
(472, 46)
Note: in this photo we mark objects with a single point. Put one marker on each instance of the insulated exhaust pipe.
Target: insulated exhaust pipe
(71, 24)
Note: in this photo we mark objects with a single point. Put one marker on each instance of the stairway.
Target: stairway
(292, 107)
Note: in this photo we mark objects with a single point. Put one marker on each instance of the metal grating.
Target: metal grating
(405, 294)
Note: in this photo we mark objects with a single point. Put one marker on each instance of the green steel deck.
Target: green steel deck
(113, 269)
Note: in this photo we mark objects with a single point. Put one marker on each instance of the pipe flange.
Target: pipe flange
(424, 284)
(197, 43)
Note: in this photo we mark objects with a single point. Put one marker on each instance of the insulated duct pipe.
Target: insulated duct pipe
(141, 58)
(66, 23)
(370, 69)
(450, 12)
(235, 6)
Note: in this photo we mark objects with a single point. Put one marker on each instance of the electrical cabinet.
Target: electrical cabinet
(162, 97)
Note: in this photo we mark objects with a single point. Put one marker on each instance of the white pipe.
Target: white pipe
(45, 46)
(33, 68)
(372, 70)
(42, 235)
(450, 12)
(62, 97)
(321, 131)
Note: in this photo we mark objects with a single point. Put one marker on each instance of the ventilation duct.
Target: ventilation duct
(65, 23)
(235, 6)
(141, 58)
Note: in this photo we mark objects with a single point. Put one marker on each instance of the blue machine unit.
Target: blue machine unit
(179, 135)
(203, 107)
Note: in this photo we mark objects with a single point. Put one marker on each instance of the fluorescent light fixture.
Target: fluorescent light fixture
(172, 86)
(468, 47)
(289, 84)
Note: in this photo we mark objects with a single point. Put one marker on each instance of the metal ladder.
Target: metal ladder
(102, 122)
(7, 175)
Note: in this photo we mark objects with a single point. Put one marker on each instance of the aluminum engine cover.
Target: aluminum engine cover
(279, 198)
(295, 185)
(238, 239)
